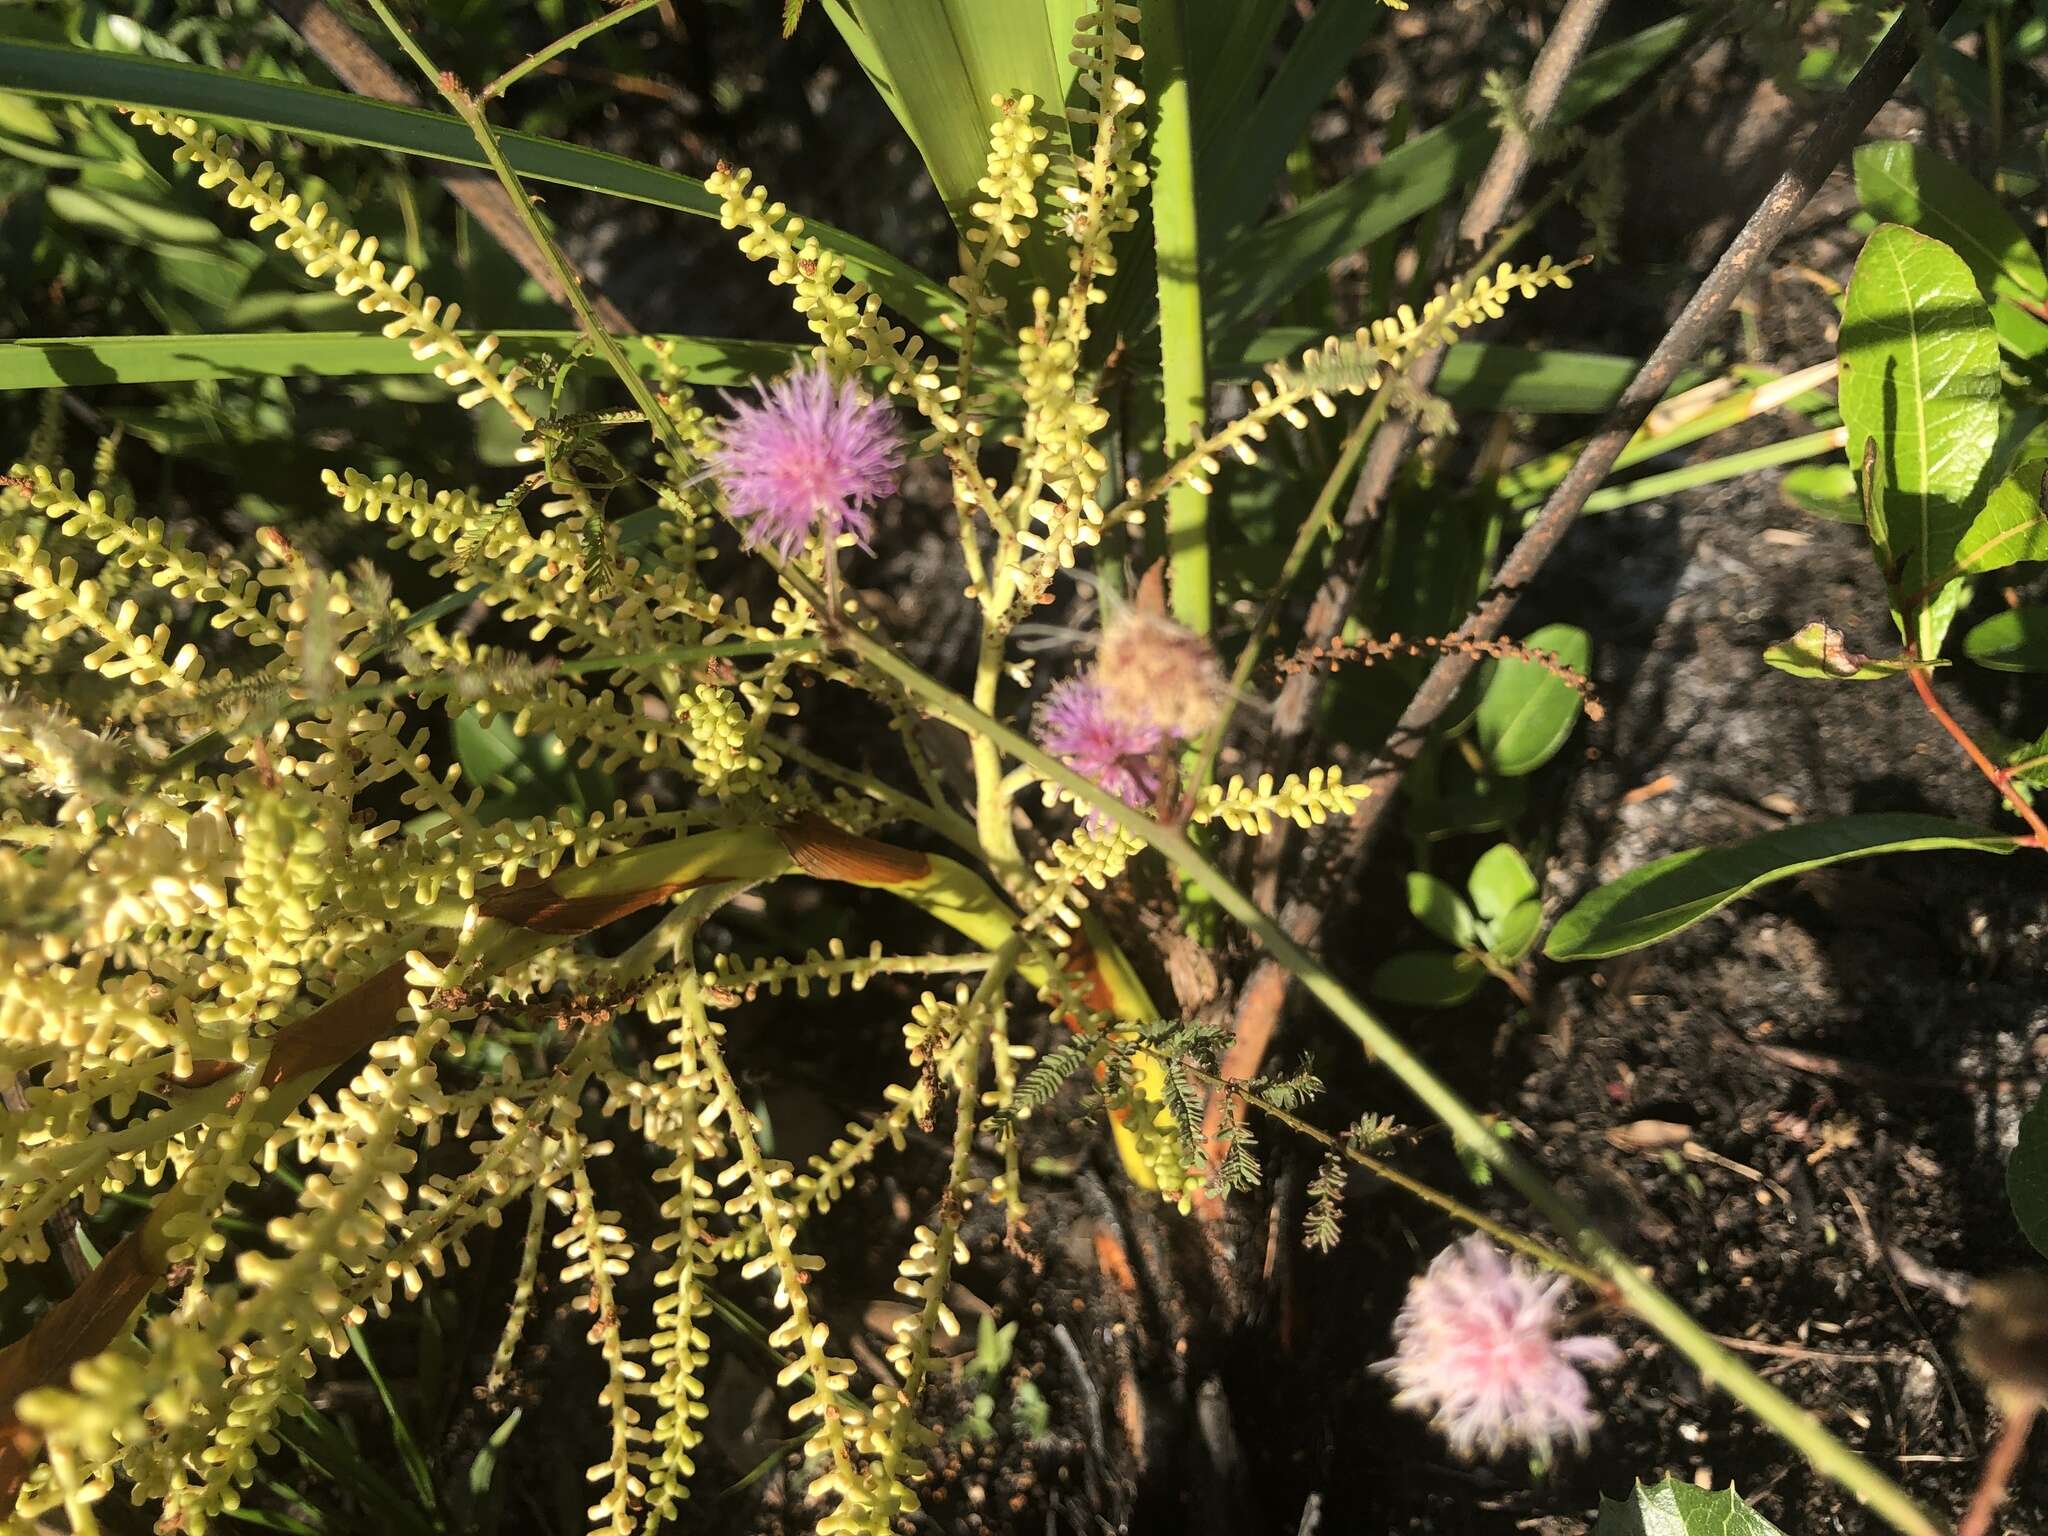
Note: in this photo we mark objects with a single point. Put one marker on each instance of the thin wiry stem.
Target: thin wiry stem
(562, 45)
(1642, 1296)
(607, 344)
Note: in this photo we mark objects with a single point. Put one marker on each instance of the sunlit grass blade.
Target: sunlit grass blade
(64, 362)
(1732, 466)
(939, 63)
(115, 79)
(1177, 244)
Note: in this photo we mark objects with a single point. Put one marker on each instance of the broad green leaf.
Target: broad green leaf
(1820, 651)
(1526, 710)
(1902, 183)
(526, 775)
(2013, 525)
(1441, 909)
(1260, 269)
(86, 75)
(939, 64)
(2013, 641)
(1905, 184)
(1673, 893)
(62, 362)
(1428, 978)
(1824, 490)
(2026, 1175)
(1920, 380)
(1500, 881)
(1672, 1508)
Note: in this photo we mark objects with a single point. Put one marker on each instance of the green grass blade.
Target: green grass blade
(1177, 242)
(114, 79)
(410, 1456)
(1259, 270)
(939, 63)
(1248, 151)
(1732, 466)
(65, 362)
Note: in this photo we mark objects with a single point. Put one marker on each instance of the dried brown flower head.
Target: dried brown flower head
(2005, 1336)
(1160, 672)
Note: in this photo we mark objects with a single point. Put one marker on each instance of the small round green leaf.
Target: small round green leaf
(1441, 910)
(1824, 490)
(2013, 641)
(1526, 711)
(1515, 934)
(1428, 978)
(1500, 881)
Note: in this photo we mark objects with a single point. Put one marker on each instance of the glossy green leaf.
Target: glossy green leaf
(1824, 490)
(64, 362)
(1672, 1508)
(1441, 909)
(1428, 978)
(1903, 183)
(526, 775)
(2013, 641)
(1820, 651)
(1526, 710)
(86, 75)
(1500, 881)
(2013, 527)
(1673, 893)
(1515, 934)
(2026, 1175)
(939, 64)
(1920, 380)
(1254, 273)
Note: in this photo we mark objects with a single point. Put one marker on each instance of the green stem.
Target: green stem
(1177, 239)
(1429, 1194)
(570, 279)
(1716, 1365)
(562, 45)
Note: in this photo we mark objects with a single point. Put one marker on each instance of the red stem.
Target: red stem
(1998, 1469)
(2001, 779)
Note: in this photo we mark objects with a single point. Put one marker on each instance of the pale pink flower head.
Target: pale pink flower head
(1079, 725)
(812, 455)
(1476, 1348)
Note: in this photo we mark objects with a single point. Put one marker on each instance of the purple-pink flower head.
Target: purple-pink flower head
(813, 454)
(1476, 1348)
(1079, 725)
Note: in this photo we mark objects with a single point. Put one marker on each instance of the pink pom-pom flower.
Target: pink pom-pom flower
(812, 455)
(1124, 753)
(1476, 1349)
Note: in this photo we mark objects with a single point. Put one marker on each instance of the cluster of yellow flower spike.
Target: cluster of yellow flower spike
(259, 837)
